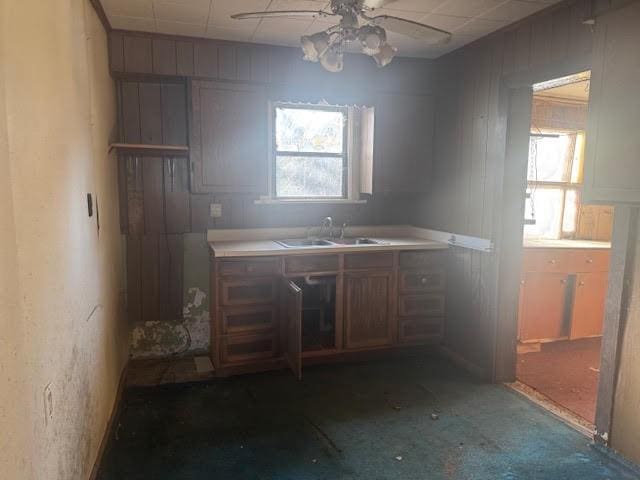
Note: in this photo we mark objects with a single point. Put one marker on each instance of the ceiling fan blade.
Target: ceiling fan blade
(282, 14)
(412, 29)
(373, 4)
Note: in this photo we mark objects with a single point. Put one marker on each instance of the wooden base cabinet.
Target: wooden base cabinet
(278, 311)
(562, 294)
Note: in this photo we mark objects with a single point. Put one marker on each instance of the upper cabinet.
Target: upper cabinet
(228, 133)
(612, 165)
(403, 143)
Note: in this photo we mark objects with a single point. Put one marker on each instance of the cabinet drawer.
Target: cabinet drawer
(254, 267)
(422, 259)
(358, 261)
(247, 319)
(551, 260)
(311, 263)
(412, 281)
(248, 291)
(420, 329)
(242, 348)
(589, 261)
(428, 305)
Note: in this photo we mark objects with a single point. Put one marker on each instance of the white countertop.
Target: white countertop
(564, 243)
(261, 242)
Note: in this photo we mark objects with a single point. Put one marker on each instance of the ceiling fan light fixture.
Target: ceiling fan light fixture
(385, 55)
(314, 46)
(332, 60)
(372, 39)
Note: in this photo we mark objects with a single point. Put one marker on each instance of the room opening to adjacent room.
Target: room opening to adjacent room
(565, 261)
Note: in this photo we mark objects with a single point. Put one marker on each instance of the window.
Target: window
(310, 152)
(554, 183)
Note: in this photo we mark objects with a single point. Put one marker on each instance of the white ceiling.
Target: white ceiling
(468, 20)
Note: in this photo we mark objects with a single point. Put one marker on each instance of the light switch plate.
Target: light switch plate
(215, 210)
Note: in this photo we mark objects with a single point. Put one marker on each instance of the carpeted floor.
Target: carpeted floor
(406, 419)
(566, 372)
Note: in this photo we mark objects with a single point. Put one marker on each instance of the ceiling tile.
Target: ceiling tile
(480, 26)
(228, 33)
(178, 28)
(222, 10)
(445, 22)
(513, 10)
(128, 8)
(276, 38)
(132, 23)
(467, 8)
(284, 26)
(298, 5)
(422, 6)
(195, 13)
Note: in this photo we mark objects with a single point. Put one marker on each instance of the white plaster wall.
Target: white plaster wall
(67, 332)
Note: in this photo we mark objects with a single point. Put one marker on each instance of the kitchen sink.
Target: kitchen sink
(304, 242)
(356, 241)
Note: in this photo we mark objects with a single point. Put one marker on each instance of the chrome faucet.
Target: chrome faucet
(327, 222)
(342, 230)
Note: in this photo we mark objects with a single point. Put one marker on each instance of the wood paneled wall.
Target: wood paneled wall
(470, 182)
(153, 74)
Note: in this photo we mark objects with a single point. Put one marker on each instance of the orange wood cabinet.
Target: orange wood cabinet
(270, 312)
(562, 293)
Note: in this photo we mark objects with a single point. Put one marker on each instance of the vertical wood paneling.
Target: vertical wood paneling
(541, 38)
(164, 56)
(227, 62)
(116, 51)
(130, 112)
(260, 64)
(150, 273)
(135, 203)
(153, 194)
(205, 59)
(175, 250)
(522, 52)
(176, 194)
(123, 204)
(184, 60)
(174, 114)
(150, 113)
(134, 277)
(138, 54)
(243, 64)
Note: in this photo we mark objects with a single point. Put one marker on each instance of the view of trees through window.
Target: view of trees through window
(310, 152)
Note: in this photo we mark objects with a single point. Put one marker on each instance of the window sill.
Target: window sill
(334, 201)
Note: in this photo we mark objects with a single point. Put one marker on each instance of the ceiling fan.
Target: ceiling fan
(356, 26)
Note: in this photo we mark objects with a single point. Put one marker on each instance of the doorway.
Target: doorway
(565, 255)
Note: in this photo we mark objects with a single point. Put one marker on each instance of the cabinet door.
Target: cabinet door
(612, 164)
(403, 143)
(368, 310)
(228, 138)
(292, 309)
(588, 304)
(542, 306)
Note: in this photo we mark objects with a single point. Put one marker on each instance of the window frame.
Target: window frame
(564, 186)
(274, 153)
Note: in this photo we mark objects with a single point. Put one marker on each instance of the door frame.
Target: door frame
(517, 98)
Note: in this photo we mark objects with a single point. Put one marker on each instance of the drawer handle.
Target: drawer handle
(563, 281)
(423, 280)
(589, 260)
(581, 284)
(552, 262)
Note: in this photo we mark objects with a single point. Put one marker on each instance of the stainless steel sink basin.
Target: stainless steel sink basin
(356, 241)
(304, 242)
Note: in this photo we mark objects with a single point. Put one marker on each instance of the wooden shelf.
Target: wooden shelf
(149, 147)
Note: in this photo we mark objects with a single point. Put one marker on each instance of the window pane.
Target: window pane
(570, 212)
(577, 170)
(549, 157)
(545, 206)
(308, 130)
(308, 176)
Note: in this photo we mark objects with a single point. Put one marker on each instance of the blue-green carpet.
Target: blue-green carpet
(418, 418)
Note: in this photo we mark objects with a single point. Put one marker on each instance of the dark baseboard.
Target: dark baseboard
(113, 419)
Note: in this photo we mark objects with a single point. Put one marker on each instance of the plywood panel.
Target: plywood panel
(174, 114)
(184, 60)
(137, 54)
(164, 56)
(135, 202)
(176, 194)
(205, 59)
(130, 112)
(153, 194)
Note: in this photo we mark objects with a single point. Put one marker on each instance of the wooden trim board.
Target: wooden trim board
(97, 6)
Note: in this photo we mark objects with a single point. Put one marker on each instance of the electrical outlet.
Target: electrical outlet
(215, 210)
